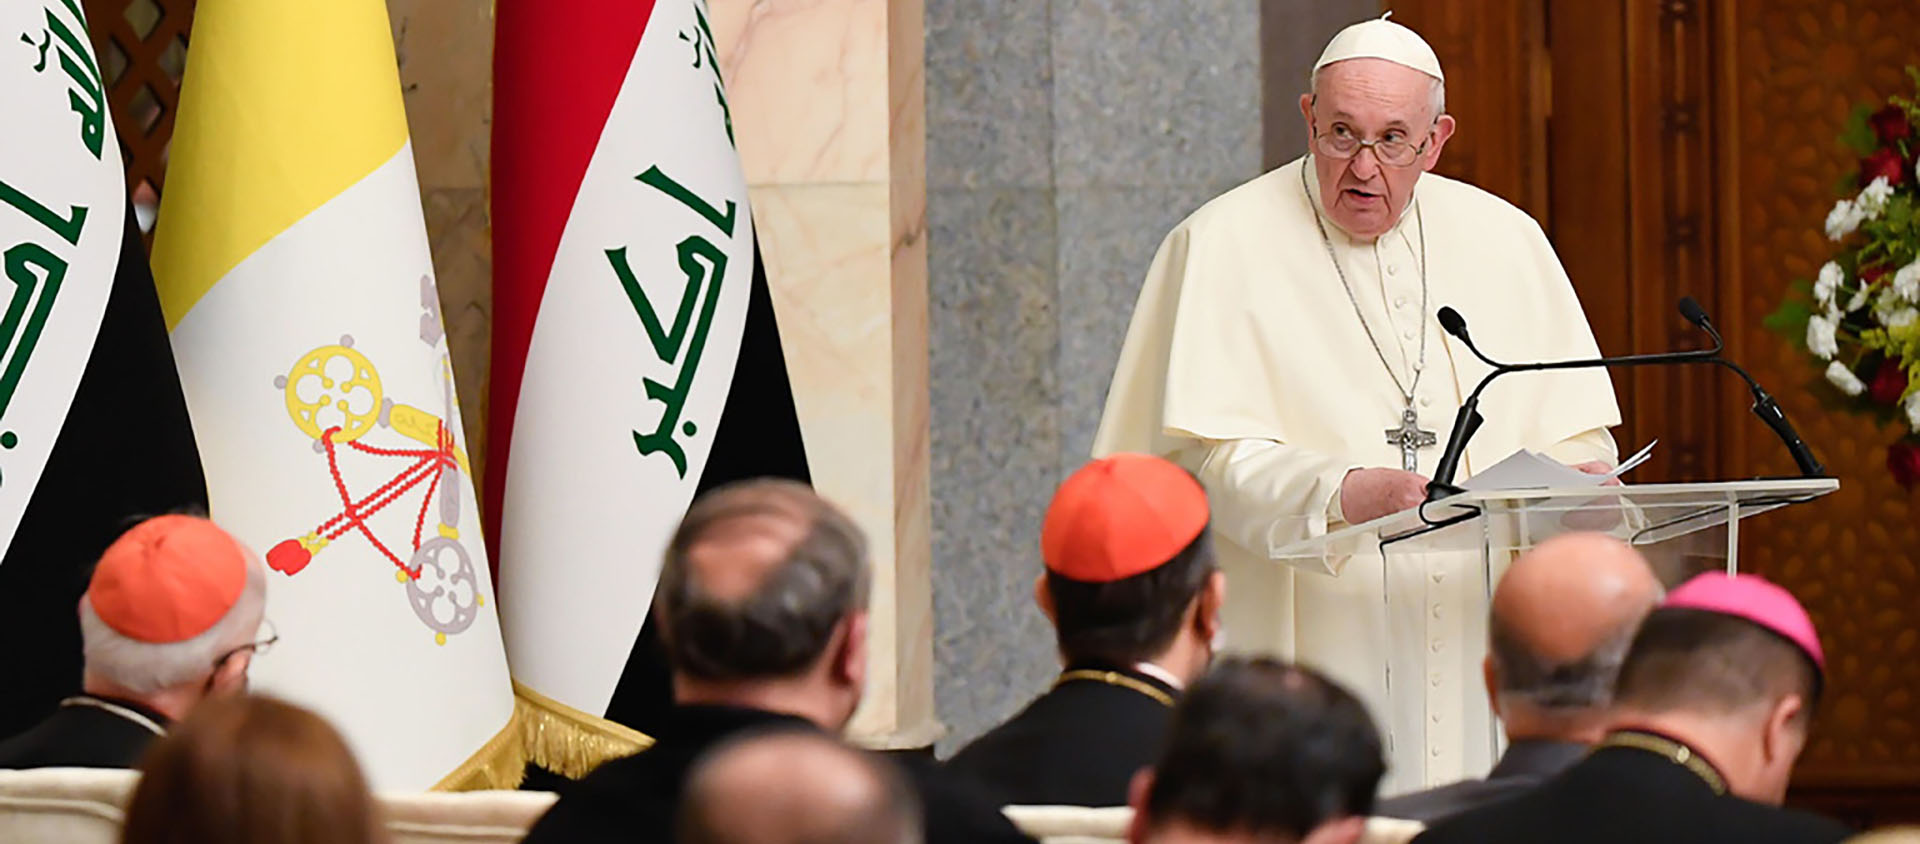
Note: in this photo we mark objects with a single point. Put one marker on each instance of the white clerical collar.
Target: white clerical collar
(1313, 193)
(1161, 674)
(125, 712)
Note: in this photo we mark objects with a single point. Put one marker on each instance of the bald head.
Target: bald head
(797, 788)
(1562, 619)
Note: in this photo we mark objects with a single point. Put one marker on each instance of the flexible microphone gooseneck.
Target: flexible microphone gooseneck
(1763, 403)
(1468, 420)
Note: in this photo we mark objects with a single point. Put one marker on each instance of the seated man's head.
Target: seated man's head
(762, 602)
(1562, 619)
(1261, 751)
(794, 787)
(172, 615)
(1130, 574)
(1731, 665)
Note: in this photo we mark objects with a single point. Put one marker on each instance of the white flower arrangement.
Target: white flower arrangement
(1858, 317)
(1873, 198)
(1845, 217)
(1821, 336)
(1842, 377)
(1906, 282)
(1827, 284)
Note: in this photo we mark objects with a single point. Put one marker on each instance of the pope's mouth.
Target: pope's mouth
(1362, 197)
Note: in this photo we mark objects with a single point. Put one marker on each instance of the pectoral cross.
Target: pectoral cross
(1410, 438)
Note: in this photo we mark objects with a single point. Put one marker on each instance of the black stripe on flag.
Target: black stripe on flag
(758, 436)
(125, 451)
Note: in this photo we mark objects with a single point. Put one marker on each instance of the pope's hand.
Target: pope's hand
(1598, 467)
(1368, 494)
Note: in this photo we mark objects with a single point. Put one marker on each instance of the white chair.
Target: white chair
(87, 806)
(1071, 824)
(1082, 825)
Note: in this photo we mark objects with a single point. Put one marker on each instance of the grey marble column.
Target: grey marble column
(1064, 139)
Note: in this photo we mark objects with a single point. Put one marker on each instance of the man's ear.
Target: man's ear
(1442, 130)
(1137, 799)
(1785, 731)
(1306, 114)
(1043, 597)
(850, 665)
(1491, 677)
(1212, 597)
(230, 676)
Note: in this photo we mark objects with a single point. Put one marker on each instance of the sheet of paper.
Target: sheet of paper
(1527, 469)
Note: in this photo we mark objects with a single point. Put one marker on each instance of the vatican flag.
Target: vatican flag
(292, 263)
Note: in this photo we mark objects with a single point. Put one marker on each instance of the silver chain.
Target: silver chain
(1419, 368)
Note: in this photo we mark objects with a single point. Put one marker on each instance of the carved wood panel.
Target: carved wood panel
(1494, 55)
(1690, 149)
(1789, 72)
(142, 45)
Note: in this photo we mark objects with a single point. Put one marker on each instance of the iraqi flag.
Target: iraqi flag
(636, 361)
(93, 431)
(292, 264)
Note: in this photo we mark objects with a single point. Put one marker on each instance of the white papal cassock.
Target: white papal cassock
(1245, 363)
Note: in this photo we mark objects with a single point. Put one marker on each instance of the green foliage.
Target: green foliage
(1790, 319)
(1857, 135)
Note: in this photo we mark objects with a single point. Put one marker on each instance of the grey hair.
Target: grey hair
(1436, 95)
(1583, 684)
(148, 667)
(786, 621)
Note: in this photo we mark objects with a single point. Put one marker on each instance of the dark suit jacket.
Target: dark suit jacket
(82, 735)
(1526, 764)
(1077, 745)
(637, 798)
(1626, 794)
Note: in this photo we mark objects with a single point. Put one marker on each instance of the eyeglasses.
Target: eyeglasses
(1340, 143)
(258, 648)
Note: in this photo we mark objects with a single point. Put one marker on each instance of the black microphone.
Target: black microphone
(1468, 420)
(1763, 403)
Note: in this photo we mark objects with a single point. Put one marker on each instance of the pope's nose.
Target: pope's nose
(1365, 165)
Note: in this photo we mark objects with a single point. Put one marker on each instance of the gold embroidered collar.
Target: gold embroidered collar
(1672, 751)
(1115, 678)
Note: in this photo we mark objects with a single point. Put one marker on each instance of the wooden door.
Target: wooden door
(1686, 147)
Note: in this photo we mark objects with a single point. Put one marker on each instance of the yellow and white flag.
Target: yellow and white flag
(292, 262)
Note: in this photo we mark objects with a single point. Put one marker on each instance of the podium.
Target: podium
(1678, 526)
(1499, 522)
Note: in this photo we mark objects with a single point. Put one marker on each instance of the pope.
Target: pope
(1285, 349)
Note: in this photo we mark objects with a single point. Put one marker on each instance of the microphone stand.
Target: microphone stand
(1468, 420)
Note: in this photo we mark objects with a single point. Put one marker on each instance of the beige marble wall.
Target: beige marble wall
(445, 48)
(829, 111)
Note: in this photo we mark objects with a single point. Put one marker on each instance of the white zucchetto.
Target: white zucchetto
(1382, 39)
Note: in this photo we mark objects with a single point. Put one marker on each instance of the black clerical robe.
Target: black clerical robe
(637, 798)
(1525, 764)
(1077, 745)
(1631, 794)
(87, 731)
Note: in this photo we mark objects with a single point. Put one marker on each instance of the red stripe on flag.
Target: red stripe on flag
(557, 67)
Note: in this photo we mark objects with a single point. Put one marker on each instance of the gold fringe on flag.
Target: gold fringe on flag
(550, 734)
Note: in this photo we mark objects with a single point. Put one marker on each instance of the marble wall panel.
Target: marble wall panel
(995, 436)
(989, 90)
(807, 82)
(1154, 93)
(1108, 237)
